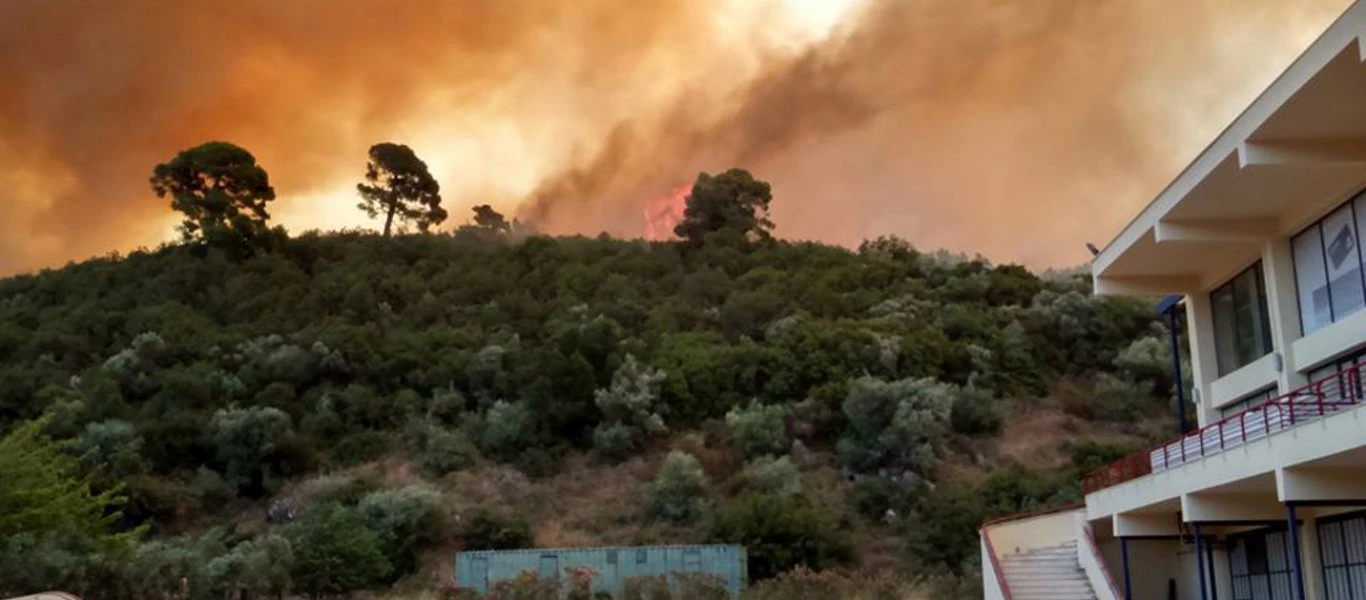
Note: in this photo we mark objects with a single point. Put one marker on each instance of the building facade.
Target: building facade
(1260, 237)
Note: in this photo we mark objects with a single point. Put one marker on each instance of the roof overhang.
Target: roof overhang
(1297, 151)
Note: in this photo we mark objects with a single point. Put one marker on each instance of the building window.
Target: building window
(1242, 330)
(1328, 273)
(1349, 369)
(1260, 566)
(1342, 549)
(1252, 400)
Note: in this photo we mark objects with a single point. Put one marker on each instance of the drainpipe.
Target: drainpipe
(1169, 306)
(1294, 533)
(1209, 561)
(1200, 563)
(1124, 560)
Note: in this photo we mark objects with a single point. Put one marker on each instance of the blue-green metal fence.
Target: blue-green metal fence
(613, 566)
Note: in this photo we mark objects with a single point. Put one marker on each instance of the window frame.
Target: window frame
(1262, 315)
(1250, 401)
(1317, 227)
(1328, 566)
(1241, 575)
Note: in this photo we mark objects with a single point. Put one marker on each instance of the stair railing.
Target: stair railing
(1000, 574)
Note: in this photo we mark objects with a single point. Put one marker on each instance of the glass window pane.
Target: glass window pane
(1360, 210)
(1356, 577)
(1274, 547)
(1330, 545)
(1354, 536)
(1344, 263)
(1225, 340)
(1254, 340)
(1238, 557)
(1312, 281)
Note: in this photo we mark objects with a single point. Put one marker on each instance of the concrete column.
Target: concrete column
(1313, 559)
(1204, 365)
(1282, 305)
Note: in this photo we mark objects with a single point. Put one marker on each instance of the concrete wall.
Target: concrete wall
(991, 582)
(1106, 583)
(1044, 531)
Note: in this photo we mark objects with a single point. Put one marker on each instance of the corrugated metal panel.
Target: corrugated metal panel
(480, 569)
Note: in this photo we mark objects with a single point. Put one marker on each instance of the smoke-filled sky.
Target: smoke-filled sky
(1020, 129)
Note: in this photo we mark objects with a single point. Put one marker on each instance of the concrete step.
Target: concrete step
(1047, 570)
(1047, 574)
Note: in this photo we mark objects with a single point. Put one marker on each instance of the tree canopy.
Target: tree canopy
(733, 202)
(223, 194)
(399, 187)
(488, 220)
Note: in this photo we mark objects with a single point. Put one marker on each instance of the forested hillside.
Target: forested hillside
(389, 400)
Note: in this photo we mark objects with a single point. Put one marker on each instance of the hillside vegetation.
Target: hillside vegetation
(343, 411)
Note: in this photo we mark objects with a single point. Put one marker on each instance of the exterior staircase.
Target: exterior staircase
(1051, 573)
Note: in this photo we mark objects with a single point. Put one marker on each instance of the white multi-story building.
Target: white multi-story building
(1260, 237)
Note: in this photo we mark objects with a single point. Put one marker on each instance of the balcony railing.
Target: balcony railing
(1321, 398)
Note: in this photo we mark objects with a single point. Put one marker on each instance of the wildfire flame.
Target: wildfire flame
(664, 212)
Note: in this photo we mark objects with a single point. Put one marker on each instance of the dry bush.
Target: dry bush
(681, 586)
(804, 584)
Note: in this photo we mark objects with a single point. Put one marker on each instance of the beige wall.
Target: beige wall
(1152, 563)
(1045, 531)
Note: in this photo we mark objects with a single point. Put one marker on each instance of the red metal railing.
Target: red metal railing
(1324, 397)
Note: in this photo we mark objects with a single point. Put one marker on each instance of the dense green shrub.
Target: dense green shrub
(491, 530)
(254, 568)
(782, 532)
(898, 424)
(975, 412)
(630, 409)
(877, 498)
(335, 552)
(403, 520)
(1122, 400)
(759, 430)
(445, 451)
(777, 476)
(679, 491)
(247, 439)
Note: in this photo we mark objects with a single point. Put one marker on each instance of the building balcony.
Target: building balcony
(1321, 399)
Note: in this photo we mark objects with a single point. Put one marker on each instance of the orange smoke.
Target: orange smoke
(1017, 128)
(663, 213)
